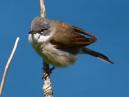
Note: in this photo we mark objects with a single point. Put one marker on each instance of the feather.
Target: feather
(96, 54)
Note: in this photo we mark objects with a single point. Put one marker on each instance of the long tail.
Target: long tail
(96, 54)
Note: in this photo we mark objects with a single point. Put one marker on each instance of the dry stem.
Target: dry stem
(42, 9)
(7, 65)
(47, 87)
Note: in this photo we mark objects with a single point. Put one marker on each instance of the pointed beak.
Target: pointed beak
(30, 32)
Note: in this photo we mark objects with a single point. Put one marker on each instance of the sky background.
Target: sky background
(89, 77)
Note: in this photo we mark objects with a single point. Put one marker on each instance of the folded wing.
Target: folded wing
(68, 36)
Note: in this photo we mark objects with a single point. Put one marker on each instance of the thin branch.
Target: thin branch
(42, 9)
(47, 87)
(7, 65)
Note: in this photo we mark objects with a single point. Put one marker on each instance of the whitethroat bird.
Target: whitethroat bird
(59, 43)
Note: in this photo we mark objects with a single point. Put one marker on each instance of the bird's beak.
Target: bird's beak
(32, 32)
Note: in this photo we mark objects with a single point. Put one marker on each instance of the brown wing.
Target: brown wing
(70, 36)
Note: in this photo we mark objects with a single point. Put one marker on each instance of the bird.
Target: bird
(59, 43)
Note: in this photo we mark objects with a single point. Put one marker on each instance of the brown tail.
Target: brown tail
(96, 54)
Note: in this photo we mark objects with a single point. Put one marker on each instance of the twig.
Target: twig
(7, 65)
(47, 87)
(42, 9)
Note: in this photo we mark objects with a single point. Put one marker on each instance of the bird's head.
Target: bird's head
(40, 30)
(39, 25)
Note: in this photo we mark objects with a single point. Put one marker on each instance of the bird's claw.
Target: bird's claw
(47, 72)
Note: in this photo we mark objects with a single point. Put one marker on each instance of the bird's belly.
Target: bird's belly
(55, 56)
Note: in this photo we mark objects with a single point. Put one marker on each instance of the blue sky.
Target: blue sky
(89, 77)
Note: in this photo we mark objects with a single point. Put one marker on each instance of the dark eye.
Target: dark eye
(43, 30)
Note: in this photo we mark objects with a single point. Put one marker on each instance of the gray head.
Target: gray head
(39, 24)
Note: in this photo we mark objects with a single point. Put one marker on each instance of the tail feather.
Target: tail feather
(97, 54)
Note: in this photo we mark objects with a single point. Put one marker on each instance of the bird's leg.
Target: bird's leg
(47, 70)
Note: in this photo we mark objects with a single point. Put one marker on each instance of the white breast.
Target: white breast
(57, 57)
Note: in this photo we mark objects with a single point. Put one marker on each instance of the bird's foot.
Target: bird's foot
(47, 71)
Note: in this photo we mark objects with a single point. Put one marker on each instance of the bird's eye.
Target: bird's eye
(42, 30)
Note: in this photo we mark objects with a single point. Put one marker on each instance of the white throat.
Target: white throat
(39, 38)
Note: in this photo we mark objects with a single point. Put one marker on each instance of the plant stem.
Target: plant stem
(8, 65)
